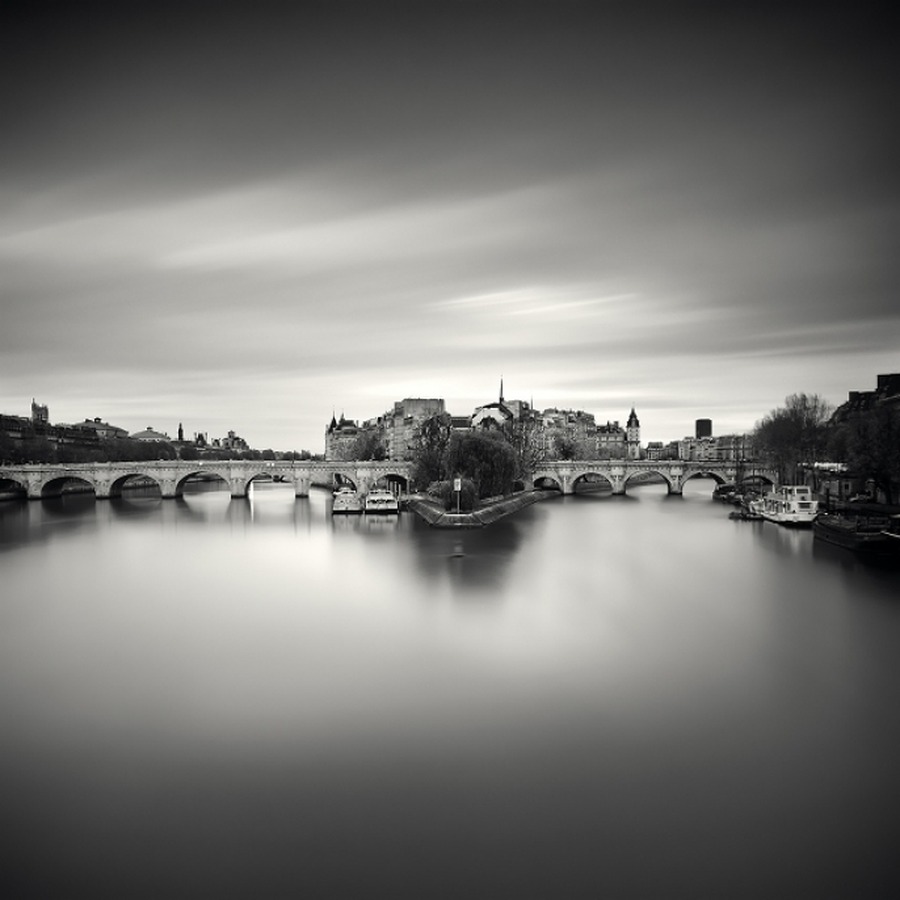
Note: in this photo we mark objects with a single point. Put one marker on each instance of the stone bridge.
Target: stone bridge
(619, 472)
(107, 479)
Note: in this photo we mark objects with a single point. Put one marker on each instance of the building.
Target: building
(230, 442)
(726, 448)
(557, 433)
(633, 436)
(101, 430)
(148, 434)
(340, 438)
(400, 424)
(610, 441)
(567, 432)
(501, 413)
(40, 414)
(703, 428)
(87, 433)
(16, 427)
(395, 430)
(657, 450)
(886, 393)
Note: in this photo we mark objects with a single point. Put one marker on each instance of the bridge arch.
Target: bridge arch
(67, 482)
(717, 475)
(592, 480)
(340, 479)
(119, 484)
(209, 475)
(392, 481)
(649, 476)
(546, 482)
(13, 487)
(759, 478)
(241, 484)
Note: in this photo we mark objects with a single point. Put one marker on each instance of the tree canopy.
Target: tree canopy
(868, 442)
(794, 435)
(429, 451)
(368, 446)
(487, 458)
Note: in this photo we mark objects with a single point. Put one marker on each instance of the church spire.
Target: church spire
(501, 388)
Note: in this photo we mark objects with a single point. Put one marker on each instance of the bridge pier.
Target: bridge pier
(617, 476)
(676, 481)
(301, 486)
(168, 488)
(33, 487)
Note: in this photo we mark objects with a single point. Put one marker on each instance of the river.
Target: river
(596, 697)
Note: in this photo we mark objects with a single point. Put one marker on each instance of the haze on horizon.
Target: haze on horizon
(248, 216)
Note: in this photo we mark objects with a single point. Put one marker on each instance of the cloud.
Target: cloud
(696, 211)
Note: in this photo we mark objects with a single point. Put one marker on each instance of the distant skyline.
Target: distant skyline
(247, 216)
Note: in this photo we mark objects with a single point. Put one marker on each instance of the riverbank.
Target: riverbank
(436, 516)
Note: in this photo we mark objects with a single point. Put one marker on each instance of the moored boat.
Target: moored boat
(861, 534)
(790, 504)
(892, 537)
(346, 500)
(745, 514)
(726, 492)
(381, 500)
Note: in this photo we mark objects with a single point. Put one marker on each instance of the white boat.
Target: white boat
(790, 504)
(381, 500)
(346, 500)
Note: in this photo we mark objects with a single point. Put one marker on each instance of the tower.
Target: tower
(39, 413)
(633, 436)
(501, 388)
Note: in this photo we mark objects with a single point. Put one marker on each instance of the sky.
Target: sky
(250, 216)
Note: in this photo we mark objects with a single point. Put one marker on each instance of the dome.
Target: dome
(148, 434)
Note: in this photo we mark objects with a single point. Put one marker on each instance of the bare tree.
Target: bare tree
(522, 435)
(794, 436)
(429, 449)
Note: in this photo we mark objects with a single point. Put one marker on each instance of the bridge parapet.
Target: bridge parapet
(107, 479)
(675, 473)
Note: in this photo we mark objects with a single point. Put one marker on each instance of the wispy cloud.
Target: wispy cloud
(341, 215)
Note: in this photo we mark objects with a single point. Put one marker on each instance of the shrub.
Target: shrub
(443, 491)
(487, 459)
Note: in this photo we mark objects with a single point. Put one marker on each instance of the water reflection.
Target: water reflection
(25, 522)
(14, 524)
(131, 505)
(376, 524)
(599, 696)
(856, 565)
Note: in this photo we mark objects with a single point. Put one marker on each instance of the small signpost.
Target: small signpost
(457, 486)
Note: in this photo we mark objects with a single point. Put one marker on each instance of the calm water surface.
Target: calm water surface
(597, 697)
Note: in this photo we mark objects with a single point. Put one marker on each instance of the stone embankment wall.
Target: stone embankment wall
(434, 513)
